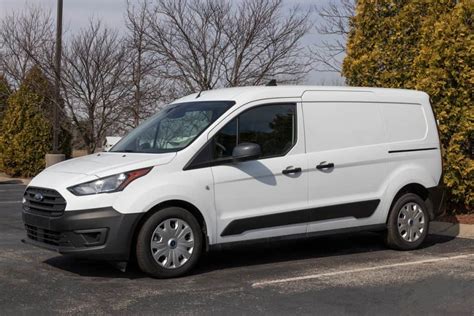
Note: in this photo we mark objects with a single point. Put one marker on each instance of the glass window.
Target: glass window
(225, 140)
(273, 127)
(174, 128)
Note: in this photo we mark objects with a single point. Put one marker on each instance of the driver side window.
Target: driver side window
(273, 127)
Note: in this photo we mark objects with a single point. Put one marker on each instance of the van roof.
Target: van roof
(252, 93)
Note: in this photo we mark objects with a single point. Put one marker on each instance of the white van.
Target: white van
(245, 164)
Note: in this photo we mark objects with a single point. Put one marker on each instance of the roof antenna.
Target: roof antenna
(199, 94)
(272, 83)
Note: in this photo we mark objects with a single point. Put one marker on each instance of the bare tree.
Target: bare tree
(27, 42)
(94, 82)
(148, 89)
(265, 44)
(334, 25)
(26, 39)
(206, 44)
(172, 47)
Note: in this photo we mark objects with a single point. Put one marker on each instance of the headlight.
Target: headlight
(109, 184)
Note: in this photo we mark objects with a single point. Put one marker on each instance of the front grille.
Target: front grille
(43, 235)
(45, 202)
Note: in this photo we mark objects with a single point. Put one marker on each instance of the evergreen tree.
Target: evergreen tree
(25, 133)
(429, 46)
(385, 39)
(5, 92)
(444, 69)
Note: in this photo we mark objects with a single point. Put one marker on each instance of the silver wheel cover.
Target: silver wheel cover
(172, 243)
(411, 222)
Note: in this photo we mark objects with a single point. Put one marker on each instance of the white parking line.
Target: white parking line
(321, 275)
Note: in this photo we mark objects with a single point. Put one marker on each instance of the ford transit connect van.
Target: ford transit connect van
(242, 164)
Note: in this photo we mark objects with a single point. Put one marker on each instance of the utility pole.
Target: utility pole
(57, 64)
(56, 156)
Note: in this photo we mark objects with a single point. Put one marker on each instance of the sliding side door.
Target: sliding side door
(346, 162)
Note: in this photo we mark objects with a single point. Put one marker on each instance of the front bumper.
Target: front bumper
(101, 233)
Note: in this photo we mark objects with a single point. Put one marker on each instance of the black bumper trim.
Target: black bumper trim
(101, 233)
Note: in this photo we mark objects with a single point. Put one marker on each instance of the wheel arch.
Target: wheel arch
(418, 189)
(171, 203)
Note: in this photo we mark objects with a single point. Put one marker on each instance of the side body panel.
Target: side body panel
(396, 145)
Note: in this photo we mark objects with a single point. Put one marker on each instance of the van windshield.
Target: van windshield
(173, 128)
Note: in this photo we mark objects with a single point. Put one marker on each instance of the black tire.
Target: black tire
(144, 256)
(393, 237)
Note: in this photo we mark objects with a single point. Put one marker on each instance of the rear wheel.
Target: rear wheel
(169, 243)
(408, 222)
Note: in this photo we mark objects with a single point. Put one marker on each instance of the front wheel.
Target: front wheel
(169, 243)
(408, 223)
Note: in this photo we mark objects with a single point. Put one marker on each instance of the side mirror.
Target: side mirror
(246, 151)
(110, 142)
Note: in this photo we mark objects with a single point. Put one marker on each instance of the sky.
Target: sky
(76, 14)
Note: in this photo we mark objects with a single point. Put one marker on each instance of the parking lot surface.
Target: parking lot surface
(345, 274)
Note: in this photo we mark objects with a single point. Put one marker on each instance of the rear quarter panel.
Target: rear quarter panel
(414, 154)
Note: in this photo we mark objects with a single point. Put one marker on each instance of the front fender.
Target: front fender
(144, 194)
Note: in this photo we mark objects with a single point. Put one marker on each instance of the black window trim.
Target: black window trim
(217, 162)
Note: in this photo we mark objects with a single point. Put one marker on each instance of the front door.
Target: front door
(258, 198)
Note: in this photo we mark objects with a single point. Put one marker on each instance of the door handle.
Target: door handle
(290, 170)
(323, 165)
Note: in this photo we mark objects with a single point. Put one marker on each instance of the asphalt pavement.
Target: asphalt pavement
(344, 274)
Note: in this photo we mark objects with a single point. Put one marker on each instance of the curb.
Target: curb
(452, 229)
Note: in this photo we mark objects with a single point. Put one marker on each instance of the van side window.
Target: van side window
(273, 127)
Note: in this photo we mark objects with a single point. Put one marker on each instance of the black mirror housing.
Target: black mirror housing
(246, 151)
